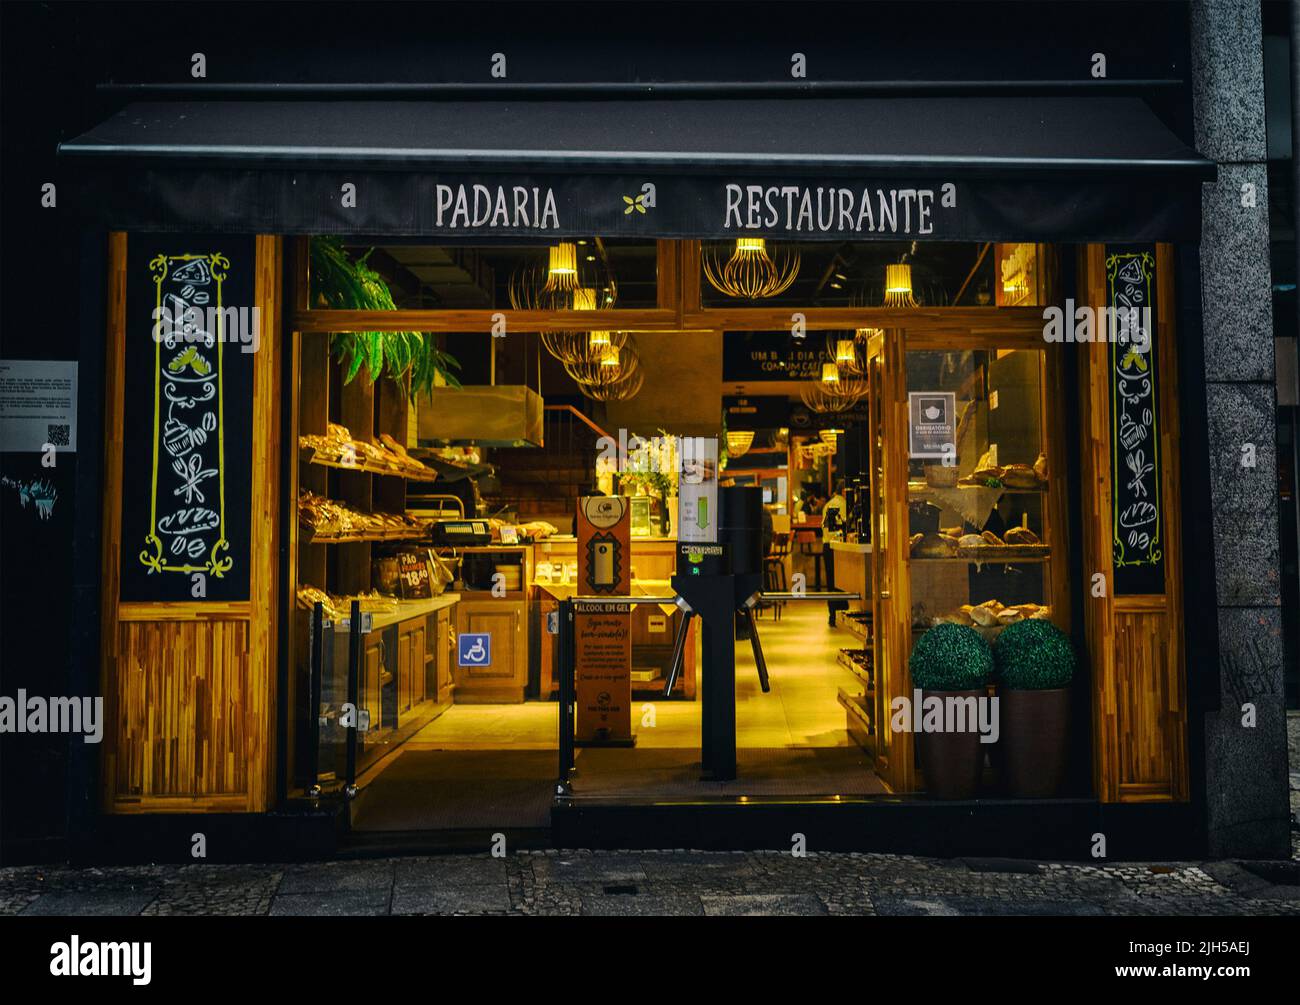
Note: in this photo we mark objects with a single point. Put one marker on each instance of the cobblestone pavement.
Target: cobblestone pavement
(671, 883)
(660, 883)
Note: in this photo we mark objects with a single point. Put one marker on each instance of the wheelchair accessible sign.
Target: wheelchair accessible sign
(475, 649)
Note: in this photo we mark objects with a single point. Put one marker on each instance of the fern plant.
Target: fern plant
(340, 283)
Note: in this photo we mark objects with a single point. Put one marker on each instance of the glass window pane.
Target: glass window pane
(759, 272)
(979, 540)
(582, 273)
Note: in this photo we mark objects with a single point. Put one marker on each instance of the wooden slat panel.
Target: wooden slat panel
(183, 710)
(1149, 739)
(189, 687)
(1135, 641)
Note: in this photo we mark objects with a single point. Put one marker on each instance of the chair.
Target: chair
(810, 544)
(774, 569)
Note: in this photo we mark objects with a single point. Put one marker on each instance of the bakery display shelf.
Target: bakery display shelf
(930, 491)
(858, 629)
(858, 711)
(859, 671)
(1000, 556)
(371, 538)
(313, 456)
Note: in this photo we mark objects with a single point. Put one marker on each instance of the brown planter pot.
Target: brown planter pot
(952, 762)
(1034, 742)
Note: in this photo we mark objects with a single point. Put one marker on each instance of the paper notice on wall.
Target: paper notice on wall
(38, 405)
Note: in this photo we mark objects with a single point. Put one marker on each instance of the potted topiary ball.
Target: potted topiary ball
(1034, 663)
(952, 663)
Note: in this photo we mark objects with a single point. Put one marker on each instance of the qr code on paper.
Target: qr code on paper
(58, 434)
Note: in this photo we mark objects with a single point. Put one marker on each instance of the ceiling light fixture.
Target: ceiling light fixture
(898, 285)
(739, 441)
(752, 272)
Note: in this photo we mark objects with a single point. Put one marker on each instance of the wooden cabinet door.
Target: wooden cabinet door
(373, 662)
(417, 692)
(499, 619)
(404, 671)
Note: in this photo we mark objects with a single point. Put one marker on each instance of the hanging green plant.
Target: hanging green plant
(340, 283)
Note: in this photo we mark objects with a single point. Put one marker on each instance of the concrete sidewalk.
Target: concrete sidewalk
(659, 883)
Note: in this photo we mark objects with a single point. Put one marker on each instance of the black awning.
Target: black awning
(1018, 168)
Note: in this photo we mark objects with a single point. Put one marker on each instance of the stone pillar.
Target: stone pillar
(1246, 766)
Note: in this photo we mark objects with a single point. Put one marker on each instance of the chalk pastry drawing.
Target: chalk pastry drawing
(187, 503)
(1135, 440)
(41, 494)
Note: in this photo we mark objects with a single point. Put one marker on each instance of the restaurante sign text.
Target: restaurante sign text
(840, 210)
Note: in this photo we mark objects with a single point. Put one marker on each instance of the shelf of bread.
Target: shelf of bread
(339, 449)
(987, 474)
(337, 608)
(1019, 544)
(991, 616)
(326, 521)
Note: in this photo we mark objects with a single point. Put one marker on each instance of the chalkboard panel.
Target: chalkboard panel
(1136, 462)
(187, 418)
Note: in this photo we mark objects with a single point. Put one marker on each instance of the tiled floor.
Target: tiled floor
(492, 765)
(799, 711)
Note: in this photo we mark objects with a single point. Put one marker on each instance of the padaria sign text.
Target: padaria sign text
(541, 205)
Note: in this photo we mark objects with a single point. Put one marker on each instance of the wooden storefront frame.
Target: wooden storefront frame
(183, 636)
(678, 311)
(1135, 642)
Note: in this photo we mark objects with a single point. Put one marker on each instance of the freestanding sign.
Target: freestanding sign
(697, 491)
(603, 631)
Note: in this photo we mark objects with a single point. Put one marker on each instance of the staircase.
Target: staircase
(544, 483)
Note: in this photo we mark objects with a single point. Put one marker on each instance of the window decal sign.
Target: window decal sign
(932, 424)
(186, 437)
(474, 649)
(187, 525)
(1136, 461)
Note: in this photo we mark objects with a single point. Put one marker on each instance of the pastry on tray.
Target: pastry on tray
(932, 546)
(983, 615)
(1021, 535)
(990, 538)
(1020, 476)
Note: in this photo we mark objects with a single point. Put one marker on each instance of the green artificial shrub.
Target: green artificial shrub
(951, 658)
(1033, 655)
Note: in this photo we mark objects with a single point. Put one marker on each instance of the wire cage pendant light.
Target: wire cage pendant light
(566, 281)
(618, 390)
(753, 271)
(610, 365)
(739, 441)
(898, 285)
(832, 396)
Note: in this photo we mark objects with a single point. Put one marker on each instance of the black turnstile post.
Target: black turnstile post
(757, 645)
(315, 673)
(354, 688)
(568, 699)
(679, 652)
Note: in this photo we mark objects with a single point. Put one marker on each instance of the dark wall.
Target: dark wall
(52, 56)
